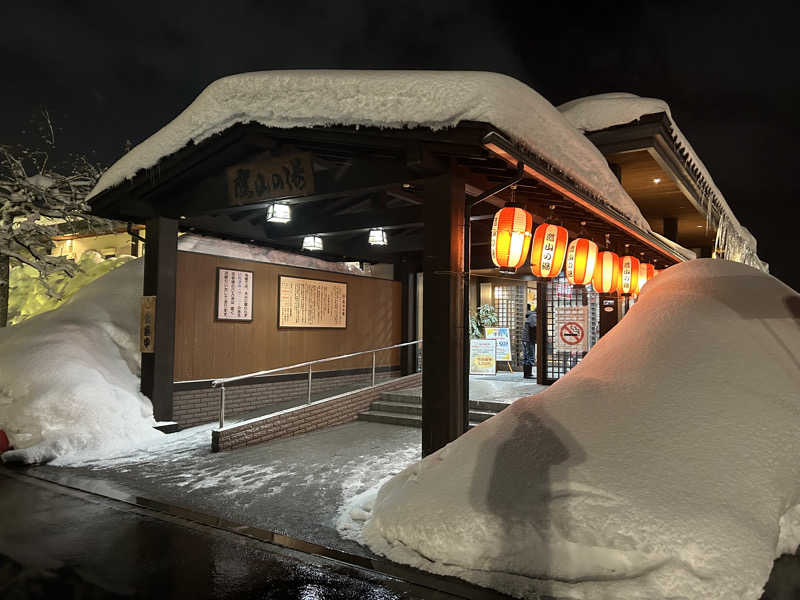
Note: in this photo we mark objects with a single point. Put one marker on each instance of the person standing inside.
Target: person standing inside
(529, 343)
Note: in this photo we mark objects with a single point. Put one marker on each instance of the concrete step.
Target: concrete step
(488, 405)
(408, 408)
(378, 416)
(410, 396)
(479, 416)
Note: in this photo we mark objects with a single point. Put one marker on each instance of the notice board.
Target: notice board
(503, 337)
(234, 295)
(311, 303)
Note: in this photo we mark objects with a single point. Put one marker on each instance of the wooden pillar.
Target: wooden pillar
(541, 324)
(444, 400)
(160, 265)
(609, 313)
(406, 273)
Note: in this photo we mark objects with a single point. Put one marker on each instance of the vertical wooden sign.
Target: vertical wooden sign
(147, 322)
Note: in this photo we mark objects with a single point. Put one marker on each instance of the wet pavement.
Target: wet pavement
(61, 543)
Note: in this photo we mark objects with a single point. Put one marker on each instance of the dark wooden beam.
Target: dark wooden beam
(444, 399)
(160, 266)
(308, 222)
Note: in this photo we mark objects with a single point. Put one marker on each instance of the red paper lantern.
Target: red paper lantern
(606, 272)
(646, 273)
(549, 250)
(628, 275)
(581, 260)
(511, 238)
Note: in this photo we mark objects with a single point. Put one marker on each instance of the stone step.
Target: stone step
(397, 407)
(488, 405)
(377, 416)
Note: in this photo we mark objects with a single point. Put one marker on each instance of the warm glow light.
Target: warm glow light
(279, 213)
(657, 180)
(606, 273)
(581, 259)
(511, 238)
(549, 250)
(312, 243)
(628, 275)
(646, 273)
(377, 237)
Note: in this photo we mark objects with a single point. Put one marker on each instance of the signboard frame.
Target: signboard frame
(473, 351)
(565, 316)
(497, 333)
(217, 297)
(308, 327)
(147, 325)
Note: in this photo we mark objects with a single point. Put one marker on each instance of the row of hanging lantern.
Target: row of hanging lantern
(585, 263)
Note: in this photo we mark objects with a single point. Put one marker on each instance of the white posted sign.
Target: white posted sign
(571, 329)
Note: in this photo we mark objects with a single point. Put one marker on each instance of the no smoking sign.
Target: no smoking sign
(571, 333)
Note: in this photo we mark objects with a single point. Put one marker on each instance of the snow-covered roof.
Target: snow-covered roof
(386, 99)
(602, 111)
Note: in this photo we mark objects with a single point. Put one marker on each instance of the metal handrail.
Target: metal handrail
(223, 380)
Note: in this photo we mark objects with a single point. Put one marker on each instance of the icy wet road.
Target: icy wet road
(56, 542)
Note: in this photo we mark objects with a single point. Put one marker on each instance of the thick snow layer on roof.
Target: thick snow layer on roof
(389, 99)
(660, 467)
(601, 111)
(69, 378)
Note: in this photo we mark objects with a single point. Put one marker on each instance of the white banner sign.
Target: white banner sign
(503, 338)
(571, 328)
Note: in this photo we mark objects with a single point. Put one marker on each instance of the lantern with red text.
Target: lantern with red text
(628, 275)
(511, 238)
(549, 250)
(581, 260)
(646, 273)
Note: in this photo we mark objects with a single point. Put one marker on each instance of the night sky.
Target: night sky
(115, 72)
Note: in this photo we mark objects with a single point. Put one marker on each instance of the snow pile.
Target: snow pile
(663, 466)
(69, 377)
(29, 297)
(601, 111)
(389, 99)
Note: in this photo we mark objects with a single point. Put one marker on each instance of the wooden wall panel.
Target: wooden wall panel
(205, 348)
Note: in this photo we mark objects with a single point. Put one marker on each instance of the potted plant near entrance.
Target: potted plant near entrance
(486, 316)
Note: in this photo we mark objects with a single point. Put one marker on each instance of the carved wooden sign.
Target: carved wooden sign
(270, 177)
(147, 322)
(311, 303)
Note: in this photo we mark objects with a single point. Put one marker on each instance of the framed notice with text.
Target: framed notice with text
(311, 303)
(234, 295)
(482, 359)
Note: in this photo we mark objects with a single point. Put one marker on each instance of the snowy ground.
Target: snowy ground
(295, 486)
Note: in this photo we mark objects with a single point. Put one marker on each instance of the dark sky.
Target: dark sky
(116, 71)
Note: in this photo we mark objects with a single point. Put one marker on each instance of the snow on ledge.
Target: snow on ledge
(386, 99)
(601, 111)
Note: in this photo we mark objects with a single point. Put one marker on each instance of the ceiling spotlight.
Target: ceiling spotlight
(279, 213)
(699, 226)
(313, 243)
(377, 237)
(657, 180)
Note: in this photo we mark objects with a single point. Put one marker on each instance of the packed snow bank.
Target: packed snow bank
(389, 99)
(601, 111)
(29, 297)
(660, 467)
(69, 377)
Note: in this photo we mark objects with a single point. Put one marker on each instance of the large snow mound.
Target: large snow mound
(665, 465)
(389, 99)
(601, 111)
(69, 378)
